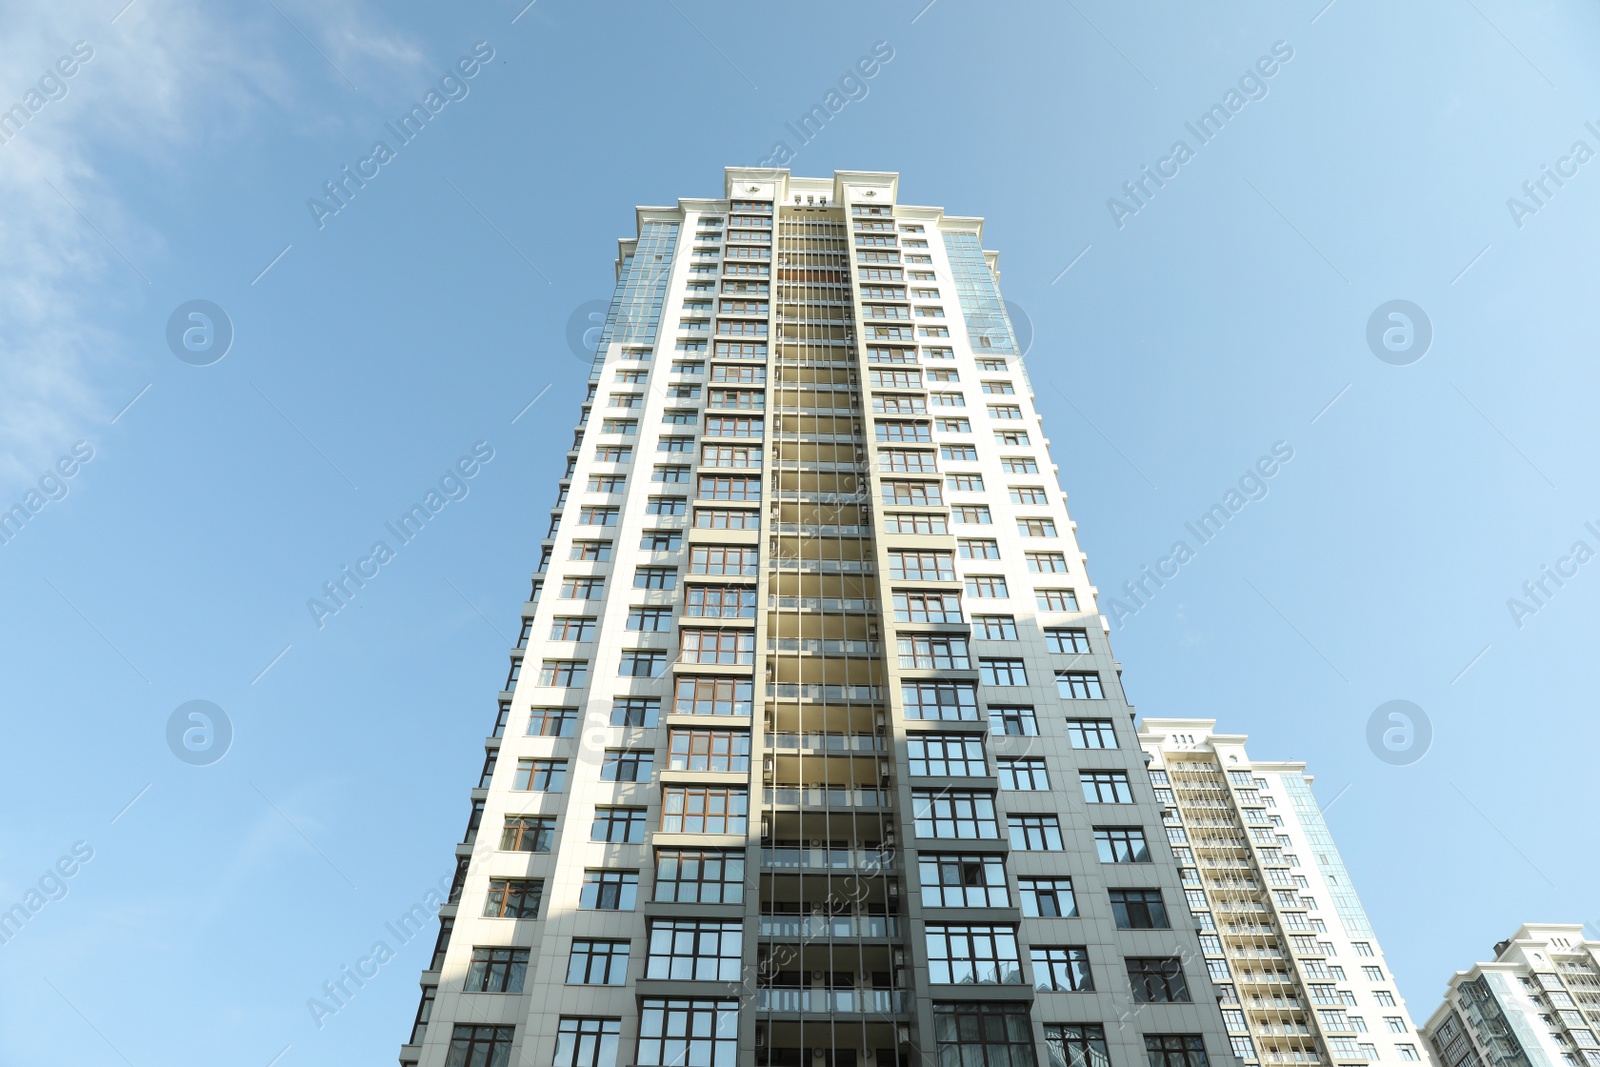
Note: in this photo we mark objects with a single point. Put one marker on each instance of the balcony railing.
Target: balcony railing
(865, 694)
(827, 797)
(821, 603)
(825, 742)
(809, 926)
(826, 859)
(831, 1001)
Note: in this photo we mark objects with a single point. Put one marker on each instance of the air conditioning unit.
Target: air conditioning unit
(899, 957)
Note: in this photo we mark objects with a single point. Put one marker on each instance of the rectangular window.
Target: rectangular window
(650, 620)
(541, 775)
(992, 586)
(496, 970)
(1062, 968)
(642, 663)
(912, 494)
(568, 674)
(959, 453)
(606, 483)
(568, 628)
(553, 722)
(1019, 465)
(527, 833)
(1023, 773)
(1079, 685)
(579, 1043)
(913, 566)
(953, 813)
(1079, 1045)
(582, 588)
(1011, 438)
(1056, 599)
(972, 515)
(689, 950)
(934, 652)
(724, 560)
(1034, 833)
(688, 1033)
(927, 607)
(704, 810)
(1139, 909)
(1067, 641)
(1047, 898)
(613, 454)
(973, 955)
(609, 890)
(1091, 733)
(912, 523)
(484, 1044)
(735, 426)
(1002, 672)
(618, 826)
(1036, 527)
(1105, 787)
(667, 505)
(598, 963)
(622, 426)
(627, 765)
(1157, 980)
(675, 444)
(1005, 411)
(983, 1034)
(978, 548)
(1121, 844)
(1175, 1050)
(731, 647)
(708, 750)
(635, 711)
(655, 578)
(999, 388)
(1017, 721)
(994, 627)
(956, 881)
(945, 756)
(720, 602)
(699, 876)
(897, 430)
(713, 696)
(907, 461)
(591, 551)
(953, 425)
(940, 700)
(513, 898)
(670, 475)
(726, 519)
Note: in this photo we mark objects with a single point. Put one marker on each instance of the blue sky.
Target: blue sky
(1224, 316)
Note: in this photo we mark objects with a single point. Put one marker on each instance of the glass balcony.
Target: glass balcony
(827, 797)
(826, 859)
(817, 926)
(832, 1001)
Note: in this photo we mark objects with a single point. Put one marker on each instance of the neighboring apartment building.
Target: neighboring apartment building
(1537, 1004)
(813, 752)
(1285, 937)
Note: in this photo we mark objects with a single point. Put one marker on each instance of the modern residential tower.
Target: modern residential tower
(1537, 1004)
(813, 752)
(1285, 937)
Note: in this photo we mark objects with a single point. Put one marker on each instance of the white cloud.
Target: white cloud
(166, 81)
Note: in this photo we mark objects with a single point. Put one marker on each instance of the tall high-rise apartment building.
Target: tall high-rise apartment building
(813, 752)
(1536, 1004)
(1285, 937)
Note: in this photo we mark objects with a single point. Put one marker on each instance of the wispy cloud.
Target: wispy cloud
(167, 82)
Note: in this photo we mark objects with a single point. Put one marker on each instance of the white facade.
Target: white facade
(1536, 1004)
(1303, 976)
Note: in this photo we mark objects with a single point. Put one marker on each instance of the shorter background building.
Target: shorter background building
(1300, 972)
(1536, 1005)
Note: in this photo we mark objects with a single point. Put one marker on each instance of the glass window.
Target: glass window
(1139, 909)
(598, 963)
(1079, 685)
(1121, 844)
(579, 1043)
(1047, 898)
(1063, 968)
(708, 750)
(1077, 1045)
(956, 881)
(1091, 733)
(955, 813)
(945, 756)
(968, 955)
(1175, 1050)
(1105, 787)
(1034, 833)
(983, 1034)
(473, 1045)
(699, 876)
(1023, 773)
(1020, 721)
(689, 950)
(513, 898)
(496, 970)
(1002, 672)
(688, 1033)
(704, 810)
(541, 775)
(713, 696)
(618, 825)
(940, 700)
(1157, 979)
(609, 890)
